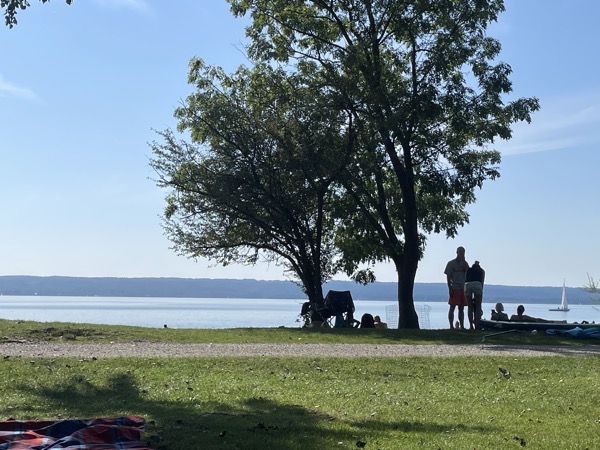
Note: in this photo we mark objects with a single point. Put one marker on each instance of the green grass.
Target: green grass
(87, 333)
(312, 403)
(318, 403)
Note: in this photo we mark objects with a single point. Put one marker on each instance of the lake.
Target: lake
(154, 312)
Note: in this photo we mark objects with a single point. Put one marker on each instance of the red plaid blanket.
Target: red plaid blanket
(110, 433)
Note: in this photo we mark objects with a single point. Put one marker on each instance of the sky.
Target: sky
(83, 87)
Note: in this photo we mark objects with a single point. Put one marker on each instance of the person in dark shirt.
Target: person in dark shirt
(379, 324)
(474, 279)
(521, 317)
(367, 321)
(499, 313)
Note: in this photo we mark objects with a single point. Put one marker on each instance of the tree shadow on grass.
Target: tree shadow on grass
(188, 423)
(254, 423)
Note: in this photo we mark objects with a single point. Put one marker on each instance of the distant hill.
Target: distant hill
(230, 288)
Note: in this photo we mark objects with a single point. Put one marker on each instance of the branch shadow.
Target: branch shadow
(186, 424)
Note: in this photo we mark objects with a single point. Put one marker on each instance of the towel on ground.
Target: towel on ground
(577, 332)
(106, 433)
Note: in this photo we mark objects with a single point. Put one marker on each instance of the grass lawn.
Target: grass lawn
(312, 403)
(88, 333)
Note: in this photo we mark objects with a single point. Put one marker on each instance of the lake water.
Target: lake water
(232, 313)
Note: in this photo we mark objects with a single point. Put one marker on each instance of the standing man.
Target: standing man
(474, 293)
(456, 271)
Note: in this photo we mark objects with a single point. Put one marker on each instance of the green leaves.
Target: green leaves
(427, 97)
(257, 181)
(12, 6)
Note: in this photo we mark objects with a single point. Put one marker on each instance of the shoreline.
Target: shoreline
(232, 313)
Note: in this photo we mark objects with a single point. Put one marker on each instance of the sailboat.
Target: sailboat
(564, 306)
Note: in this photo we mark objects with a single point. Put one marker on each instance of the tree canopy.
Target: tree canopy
(425, 83)
(11, 7)
(363, 126)
(258, 179)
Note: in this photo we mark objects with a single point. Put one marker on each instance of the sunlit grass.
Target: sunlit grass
(312, 403)
(87, 333)
(319, 403)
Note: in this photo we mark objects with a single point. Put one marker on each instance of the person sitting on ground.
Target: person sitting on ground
(367, 321)
(379, 324)
(520, 317)
(499, 313)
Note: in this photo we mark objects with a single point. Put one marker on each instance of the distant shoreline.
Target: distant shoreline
(234, 288)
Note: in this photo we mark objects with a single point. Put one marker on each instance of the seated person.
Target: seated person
(379, 324)
(367, 321)
(499, 313)
(520, 317)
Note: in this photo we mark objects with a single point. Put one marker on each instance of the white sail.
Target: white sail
(564, 305)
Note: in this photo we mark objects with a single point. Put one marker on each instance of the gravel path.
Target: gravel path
(160, 349)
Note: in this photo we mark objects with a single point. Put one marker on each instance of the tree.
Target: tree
(258, 178)
(592, 287)
(425, 86)
(12, 6)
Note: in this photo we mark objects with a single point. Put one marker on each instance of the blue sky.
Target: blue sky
(82, 87)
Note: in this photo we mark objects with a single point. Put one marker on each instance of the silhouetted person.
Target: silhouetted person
(474, 279)
(379, 324)
(499, 313)
(521, 317)
(456, 271)
(367, 321)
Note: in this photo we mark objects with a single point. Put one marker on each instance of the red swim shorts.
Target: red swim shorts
(457, 297)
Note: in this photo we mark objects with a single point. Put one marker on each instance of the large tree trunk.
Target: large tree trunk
(314, 290)
(407, 316)
(313, 281)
